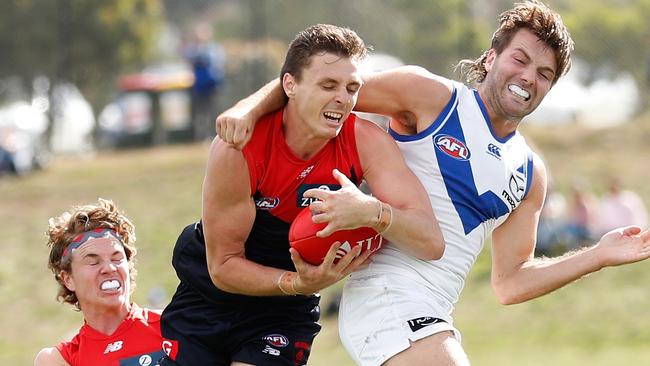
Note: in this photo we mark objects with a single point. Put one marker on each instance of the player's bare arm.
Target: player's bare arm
(235, 125)
(49, 357)
(517, 276)
(413, 225)
(411, 95)
(228, 216)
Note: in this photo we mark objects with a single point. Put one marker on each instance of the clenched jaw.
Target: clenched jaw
(519, 91)
(111, 285)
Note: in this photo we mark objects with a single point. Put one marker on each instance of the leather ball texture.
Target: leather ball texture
(312, 249)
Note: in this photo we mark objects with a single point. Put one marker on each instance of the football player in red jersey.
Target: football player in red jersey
(244, 297)
(92, 256)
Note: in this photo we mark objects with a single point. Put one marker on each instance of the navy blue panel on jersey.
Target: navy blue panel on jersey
(456, 170)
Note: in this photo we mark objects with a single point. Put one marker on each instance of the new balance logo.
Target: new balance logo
(305, 172)
(112, 347)
(271, 351)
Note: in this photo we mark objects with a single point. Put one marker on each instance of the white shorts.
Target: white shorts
(382, 314)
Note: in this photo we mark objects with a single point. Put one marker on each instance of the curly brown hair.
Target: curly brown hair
(65, 227)
(533, 15)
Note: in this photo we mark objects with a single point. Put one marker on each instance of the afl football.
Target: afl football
(312, 249)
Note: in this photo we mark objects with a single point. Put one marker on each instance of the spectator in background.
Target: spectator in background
(92, 256)
(207, 59)
(566, 224)
(582, 211)
(620, 207)
(6, 162)
(552, 220)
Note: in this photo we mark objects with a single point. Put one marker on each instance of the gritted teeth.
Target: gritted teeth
(333, 115)
(516, 89)
(110, 285)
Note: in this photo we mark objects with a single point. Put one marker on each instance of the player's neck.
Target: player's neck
(106, 320)
(504, 127)
(502, 124)
(302, 143)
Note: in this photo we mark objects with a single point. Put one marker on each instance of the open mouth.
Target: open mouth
(333, 116)
(519, 91)
(111, 285)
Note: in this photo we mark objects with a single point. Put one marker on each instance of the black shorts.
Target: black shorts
(211, 327)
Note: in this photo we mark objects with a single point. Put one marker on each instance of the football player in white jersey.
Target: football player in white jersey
(482, 179)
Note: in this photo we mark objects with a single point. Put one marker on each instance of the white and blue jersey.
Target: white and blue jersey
(474, 180)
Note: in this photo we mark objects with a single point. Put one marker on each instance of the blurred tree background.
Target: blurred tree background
(612, 36)
(90, 42)
(85, 42)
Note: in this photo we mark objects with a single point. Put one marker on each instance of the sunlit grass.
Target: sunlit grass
(601, 320)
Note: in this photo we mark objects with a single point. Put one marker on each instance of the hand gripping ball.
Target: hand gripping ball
(312, 249)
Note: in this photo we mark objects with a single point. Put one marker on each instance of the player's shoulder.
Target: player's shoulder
(49, 356)
(534, 154)
(420, 83)
(267, 129)
(375, 146)
(268, 119)
(410, 81)
(538, 181)
(422, 96)
(539, 168)
(150, 316)
(411, 73)
(369, 131)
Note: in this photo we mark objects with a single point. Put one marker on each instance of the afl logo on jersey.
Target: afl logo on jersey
(266, 203)
(452, 147)
(277, 340)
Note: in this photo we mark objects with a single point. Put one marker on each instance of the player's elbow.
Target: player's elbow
(438, 243)
(504, 299)
(436, 250)
(435, 244)
(505, 294)
(429, 255)
(432, 248)
(217, 271)
(215, 275)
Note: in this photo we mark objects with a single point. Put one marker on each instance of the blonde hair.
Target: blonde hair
(65, 227)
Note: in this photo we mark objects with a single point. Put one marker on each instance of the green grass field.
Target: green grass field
(601, 320)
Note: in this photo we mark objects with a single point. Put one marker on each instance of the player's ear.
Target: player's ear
(67, 280)
(289, 84)
(489, 59)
